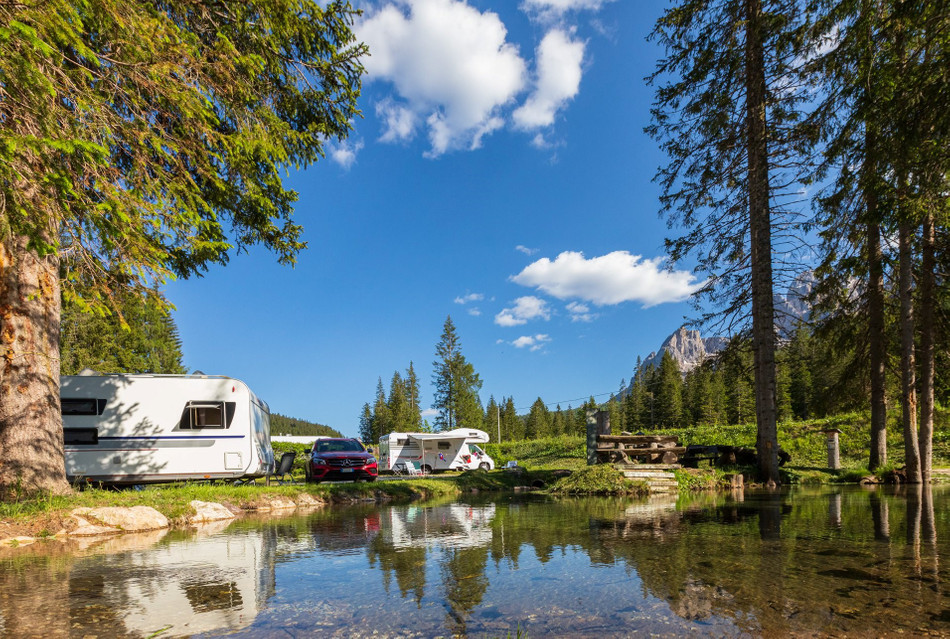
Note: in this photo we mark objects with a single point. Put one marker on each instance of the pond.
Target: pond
(842, 562)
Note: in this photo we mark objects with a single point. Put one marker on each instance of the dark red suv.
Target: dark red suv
(340, 460)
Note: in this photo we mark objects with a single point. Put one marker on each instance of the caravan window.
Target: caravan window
(80, 436)
(198, 414)
(444, 445)
(82, 405)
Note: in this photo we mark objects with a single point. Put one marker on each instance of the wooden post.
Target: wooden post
(591, 438)
(603, 422)
(834, 456)
(598, 423)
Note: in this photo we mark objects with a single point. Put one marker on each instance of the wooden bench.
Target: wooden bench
(655, 449)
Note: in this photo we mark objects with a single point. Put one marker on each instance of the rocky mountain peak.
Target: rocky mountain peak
(688, 347)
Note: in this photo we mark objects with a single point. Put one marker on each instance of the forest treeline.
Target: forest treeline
(283, 425)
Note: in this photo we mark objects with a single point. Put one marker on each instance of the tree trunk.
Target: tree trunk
(877, 340)
(31, 427)
(927, 303)
(908, 372)
(760, 227)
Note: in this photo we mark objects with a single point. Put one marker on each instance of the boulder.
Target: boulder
(114, 519)
(209, 511)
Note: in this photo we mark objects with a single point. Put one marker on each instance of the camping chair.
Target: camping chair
(411, 469)
(283, 468)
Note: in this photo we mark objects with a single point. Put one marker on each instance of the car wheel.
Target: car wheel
(484, 466)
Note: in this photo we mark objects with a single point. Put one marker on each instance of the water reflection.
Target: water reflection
(816, 563)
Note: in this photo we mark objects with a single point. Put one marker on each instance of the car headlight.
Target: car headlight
(371, 460)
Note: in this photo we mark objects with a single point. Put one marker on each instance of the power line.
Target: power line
(568, 401)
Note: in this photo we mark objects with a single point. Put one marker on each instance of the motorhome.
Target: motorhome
(132, 429)
(432, 452)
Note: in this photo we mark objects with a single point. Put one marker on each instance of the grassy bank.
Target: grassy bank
(41, 515)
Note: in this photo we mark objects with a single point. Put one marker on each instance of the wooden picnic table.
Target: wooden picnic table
(649, 448)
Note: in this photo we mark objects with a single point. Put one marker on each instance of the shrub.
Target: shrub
(602, 479)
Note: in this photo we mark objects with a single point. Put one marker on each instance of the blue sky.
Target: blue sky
(500, 175)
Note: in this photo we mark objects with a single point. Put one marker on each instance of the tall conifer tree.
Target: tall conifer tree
(722, 114)
(456, 383)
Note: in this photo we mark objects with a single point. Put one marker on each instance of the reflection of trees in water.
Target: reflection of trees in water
(464, 582)
(791, 566)
(34, 597)
(407, 564)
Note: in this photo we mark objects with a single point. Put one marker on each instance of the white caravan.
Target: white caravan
(450, 450)
(132, 429)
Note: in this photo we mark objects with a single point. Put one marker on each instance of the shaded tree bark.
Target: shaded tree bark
(927, 366)
(908, 366)
(763, 323)
(31, 458)
(877, 340)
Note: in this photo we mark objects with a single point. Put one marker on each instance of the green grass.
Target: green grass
(173, 500)
(565, 451)
(603, 479)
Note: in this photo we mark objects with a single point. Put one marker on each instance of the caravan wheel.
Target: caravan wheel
(426, 469)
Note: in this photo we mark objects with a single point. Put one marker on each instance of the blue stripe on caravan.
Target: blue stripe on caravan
(174, 437)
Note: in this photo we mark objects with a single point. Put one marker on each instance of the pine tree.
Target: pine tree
(512, 427)
(144, 141)
(140, 337)
(723, 114)
(398, 405)
(558, 422)
(382, 418)
(538, 422)
(636, 401)
(367, 434)
(456, 384)
(668, 406)
(412, 396)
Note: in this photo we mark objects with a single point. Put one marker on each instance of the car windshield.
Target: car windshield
(338, 446)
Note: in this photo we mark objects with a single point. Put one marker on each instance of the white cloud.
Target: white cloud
(524, 249)
(552, 10)
(471, 297)
(344, 153)
(400, 121)
(475, 311)
(450, 64)
(609, 279)
(525, 309)
(534, 342)
(580, 312)
(558, 60)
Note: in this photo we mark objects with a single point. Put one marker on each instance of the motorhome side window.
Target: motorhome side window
(82, 405)
(203, 414)
(444, 445)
